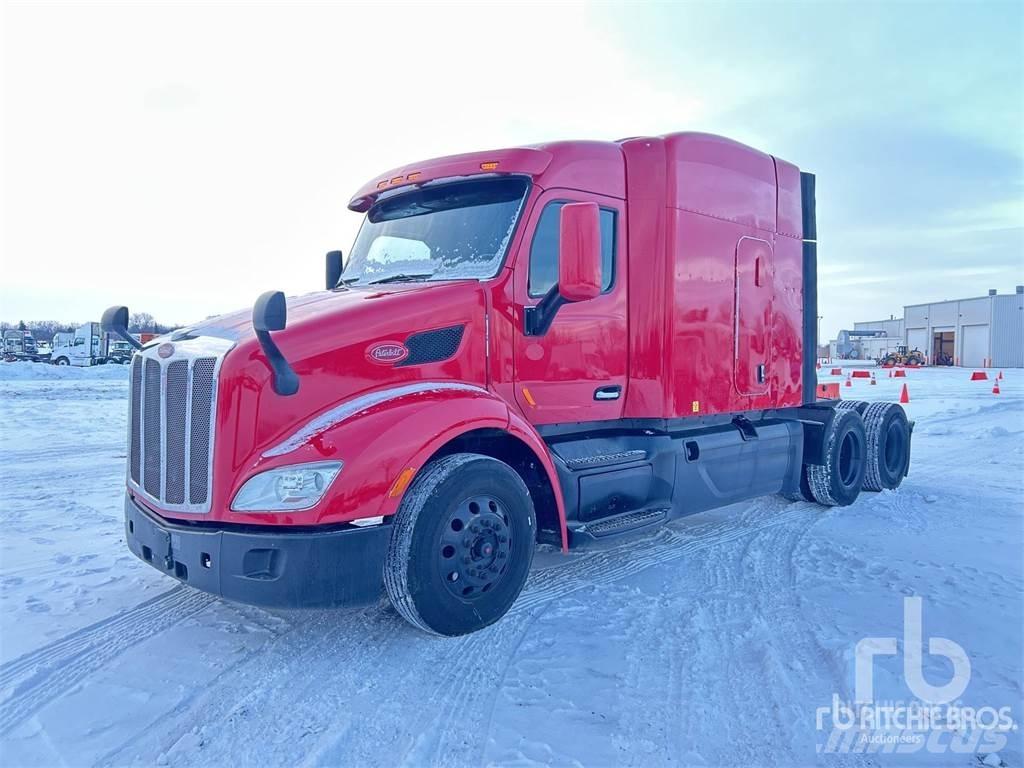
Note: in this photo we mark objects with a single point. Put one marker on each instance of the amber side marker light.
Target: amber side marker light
(401, 482)
(529, 397)
(413, 176)
(490, 166)
(382, 184)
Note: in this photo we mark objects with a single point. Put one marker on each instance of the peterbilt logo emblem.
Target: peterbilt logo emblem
(165, 350)
(387, 352)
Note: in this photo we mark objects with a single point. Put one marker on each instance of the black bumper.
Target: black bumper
(285, 569)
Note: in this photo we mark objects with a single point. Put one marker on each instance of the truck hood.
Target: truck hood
(237, 325)
(332, 341)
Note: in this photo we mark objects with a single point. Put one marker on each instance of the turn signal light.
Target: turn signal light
(401, 482)
(489, 166)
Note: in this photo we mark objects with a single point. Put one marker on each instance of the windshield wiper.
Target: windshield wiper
(402, 277)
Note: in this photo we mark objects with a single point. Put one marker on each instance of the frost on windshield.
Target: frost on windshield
(455, 231)
(397, 255)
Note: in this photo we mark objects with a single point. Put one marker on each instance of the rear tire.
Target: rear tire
(888, 446)
(461, 546)
(838, 481)
(63, 361)
(852, 405)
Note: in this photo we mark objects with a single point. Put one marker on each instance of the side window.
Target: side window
(544, 250)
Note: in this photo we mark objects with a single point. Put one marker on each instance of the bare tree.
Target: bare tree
(45, 329)
(142, 321)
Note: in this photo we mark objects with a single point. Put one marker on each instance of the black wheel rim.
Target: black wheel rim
(894, 449)
(851, 459)
(475, 547)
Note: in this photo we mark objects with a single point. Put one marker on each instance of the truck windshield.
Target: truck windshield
(454, 231)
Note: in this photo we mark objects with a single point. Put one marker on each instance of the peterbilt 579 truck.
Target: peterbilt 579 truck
(558, 343)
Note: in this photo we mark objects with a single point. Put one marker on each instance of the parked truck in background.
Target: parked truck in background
(81, 348)
(559, 343)
(20, 345)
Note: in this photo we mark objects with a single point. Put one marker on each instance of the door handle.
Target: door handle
(608, 393)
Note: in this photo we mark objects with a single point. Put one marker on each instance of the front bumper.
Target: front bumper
(272, 567)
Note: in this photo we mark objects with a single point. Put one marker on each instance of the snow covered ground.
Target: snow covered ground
(711, 642)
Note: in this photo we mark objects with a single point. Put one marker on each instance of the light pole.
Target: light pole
(817, 338)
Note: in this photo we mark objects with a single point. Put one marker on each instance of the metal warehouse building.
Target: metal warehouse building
(979, 332)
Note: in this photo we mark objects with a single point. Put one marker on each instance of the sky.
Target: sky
(182, 159)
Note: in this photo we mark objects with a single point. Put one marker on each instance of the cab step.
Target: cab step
(601, 460)
(619, 524)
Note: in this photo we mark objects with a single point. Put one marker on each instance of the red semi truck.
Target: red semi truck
(557, 343)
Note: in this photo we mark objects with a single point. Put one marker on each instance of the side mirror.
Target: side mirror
(334, 267)
(579, 252)
(579, 265)
(115, 320)
(270, 313)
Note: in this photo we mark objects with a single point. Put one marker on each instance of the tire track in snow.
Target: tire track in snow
(39, 677)
(469, 711)
(459, 677)
(73, 644)
(43, 675)
(300, 681)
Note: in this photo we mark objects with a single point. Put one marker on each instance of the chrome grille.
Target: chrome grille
(199, 446)
(177, 400)
(151, 428)
(135, 416)
(170, 434)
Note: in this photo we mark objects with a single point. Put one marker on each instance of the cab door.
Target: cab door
(576, 371)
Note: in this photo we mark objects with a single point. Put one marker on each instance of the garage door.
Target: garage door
(917, 338)
(975, 349)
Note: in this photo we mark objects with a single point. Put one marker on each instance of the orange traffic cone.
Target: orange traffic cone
(904, 395)
(890, 373)
(995, 388)
(873, 382)
(1000, 374)
(848, 382)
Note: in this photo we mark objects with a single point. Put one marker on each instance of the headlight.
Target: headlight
(298, 486)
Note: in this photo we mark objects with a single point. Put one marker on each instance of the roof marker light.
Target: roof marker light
(413, 176)
(382, 184)
(489, 166)
(398, 179)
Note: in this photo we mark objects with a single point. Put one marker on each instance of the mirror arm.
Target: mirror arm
(286, 381)
(270, 313)
(537, 320)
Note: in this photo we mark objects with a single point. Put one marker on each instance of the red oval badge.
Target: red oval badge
(165, 350)
(387, 352)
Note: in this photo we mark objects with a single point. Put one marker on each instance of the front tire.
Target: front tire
(838, 481)
(461, 546)
(63, 361)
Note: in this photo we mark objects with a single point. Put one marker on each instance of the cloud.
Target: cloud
(184, 158)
